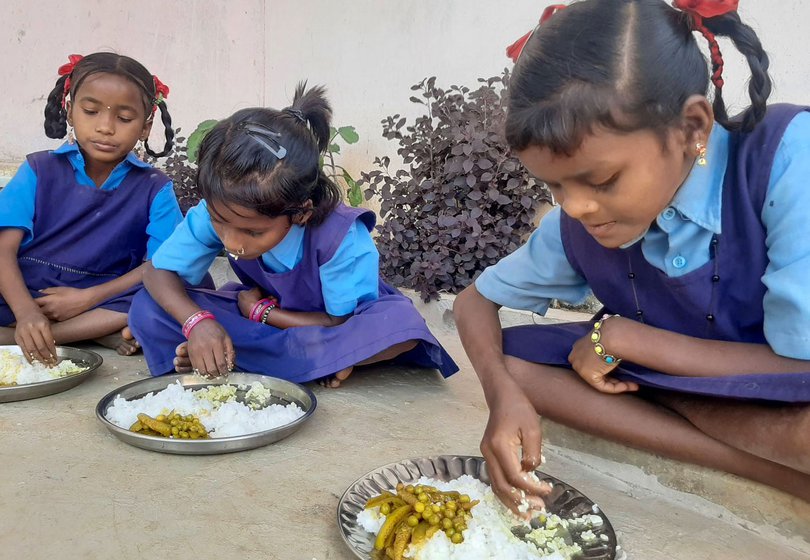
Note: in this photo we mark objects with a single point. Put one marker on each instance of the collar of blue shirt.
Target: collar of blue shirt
(289, 250)
(700, 197)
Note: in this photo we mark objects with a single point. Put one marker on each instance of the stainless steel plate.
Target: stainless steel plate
(283, 392)
(83, 358)
(565, 500)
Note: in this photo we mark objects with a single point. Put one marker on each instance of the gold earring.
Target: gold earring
(701, 154)
(71, 138)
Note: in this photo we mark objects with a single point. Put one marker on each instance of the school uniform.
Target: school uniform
(79, 235)
(727, 260)
(332, 267)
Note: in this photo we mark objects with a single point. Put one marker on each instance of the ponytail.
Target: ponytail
(311, 108)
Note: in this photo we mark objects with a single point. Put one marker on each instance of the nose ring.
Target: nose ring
(235, 255)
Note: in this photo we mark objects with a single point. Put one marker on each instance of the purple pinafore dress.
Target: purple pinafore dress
(85, 236)
(721, 300)
(302, 353)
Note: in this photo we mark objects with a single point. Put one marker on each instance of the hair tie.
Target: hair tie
(513, 51)
(298, 114)
(699, 9)
(67, 70)
(706, 8)
(161, 93)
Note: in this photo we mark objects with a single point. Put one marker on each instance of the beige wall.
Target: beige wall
(219, 56)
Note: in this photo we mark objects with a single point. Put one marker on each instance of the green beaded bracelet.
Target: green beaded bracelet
(596, 337)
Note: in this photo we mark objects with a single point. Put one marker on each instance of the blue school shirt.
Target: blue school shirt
(18, 197)
(679, 239)
(349, 278)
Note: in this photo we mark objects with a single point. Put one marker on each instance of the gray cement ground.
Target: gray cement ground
(70, 490)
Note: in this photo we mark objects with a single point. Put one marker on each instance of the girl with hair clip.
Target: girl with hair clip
(689, 226)
(313, 305)
(76, 223)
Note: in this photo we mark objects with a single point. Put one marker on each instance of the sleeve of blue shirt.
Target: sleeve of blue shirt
(164, 216)
(191, 249)
(17, 200)
(535, 274)
(351, 276)
(784, 214)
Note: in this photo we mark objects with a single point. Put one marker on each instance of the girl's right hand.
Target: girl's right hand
(210, 349)
(33, 334)
(514, 427)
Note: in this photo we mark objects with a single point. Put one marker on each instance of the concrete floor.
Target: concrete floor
(70, 490)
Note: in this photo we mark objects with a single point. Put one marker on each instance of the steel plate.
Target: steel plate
(283, 392)
(565, 500)
(84, 358)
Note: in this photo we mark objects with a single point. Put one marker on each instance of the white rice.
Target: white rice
(15, 370)
(488, 535)
(217, 409)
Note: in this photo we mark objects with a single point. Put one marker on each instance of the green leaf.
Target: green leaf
(196, 138)
(334, 148)
(349, 134)
(355, 193)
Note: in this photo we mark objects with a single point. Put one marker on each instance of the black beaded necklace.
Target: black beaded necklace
(715, 280)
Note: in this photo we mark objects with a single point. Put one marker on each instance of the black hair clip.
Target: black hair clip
(265, 137)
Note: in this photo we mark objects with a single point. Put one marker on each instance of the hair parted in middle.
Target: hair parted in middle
(269, 160)
(626, 65)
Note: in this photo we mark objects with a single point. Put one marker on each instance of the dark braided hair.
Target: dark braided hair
(107, 63)
(269, 160)
(626, 65)
(759, 87)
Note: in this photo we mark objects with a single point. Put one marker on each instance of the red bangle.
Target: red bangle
(194, 320)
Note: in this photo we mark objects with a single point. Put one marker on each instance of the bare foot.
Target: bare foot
(123, 343)
(334, 381)
(182, 363)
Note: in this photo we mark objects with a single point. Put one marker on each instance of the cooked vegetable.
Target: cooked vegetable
(415, 514)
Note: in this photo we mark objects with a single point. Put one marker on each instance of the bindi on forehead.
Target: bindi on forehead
(103, 104)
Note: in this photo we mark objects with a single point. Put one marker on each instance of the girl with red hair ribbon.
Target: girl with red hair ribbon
(688, 225)
(78, 222)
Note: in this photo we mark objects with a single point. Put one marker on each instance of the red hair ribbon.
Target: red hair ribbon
(67, 70)
(161, 92)
(513, 51)
(700, 9)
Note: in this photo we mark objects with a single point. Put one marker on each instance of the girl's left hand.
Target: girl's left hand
(593, 370)
(62, 303)
(247, 299)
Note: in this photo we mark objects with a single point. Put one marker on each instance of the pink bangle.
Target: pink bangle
(194, 320)
(256, 309)
(261, 306)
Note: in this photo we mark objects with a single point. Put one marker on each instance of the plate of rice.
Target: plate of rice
(386, 515)
(192, 415)
(20, 380)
